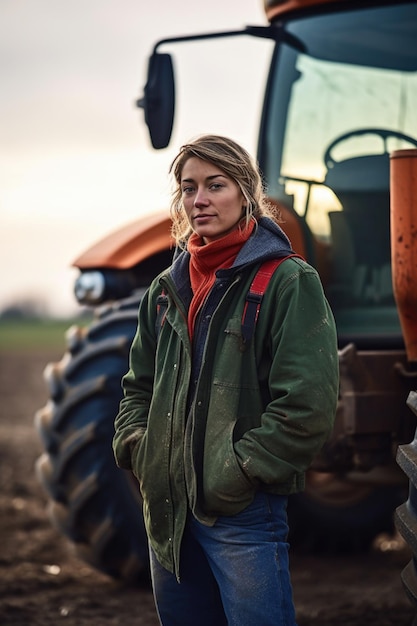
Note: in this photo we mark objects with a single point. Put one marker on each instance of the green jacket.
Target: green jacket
(260, 412)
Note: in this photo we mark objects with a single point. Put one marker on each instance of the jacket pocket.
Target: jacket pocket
(226, 488)
(137, 456)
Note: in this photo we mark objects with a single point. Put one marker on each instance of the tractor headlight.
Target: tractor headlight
(90, 288)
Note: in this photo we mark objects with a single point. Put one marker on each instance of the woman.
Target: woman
(219, 431)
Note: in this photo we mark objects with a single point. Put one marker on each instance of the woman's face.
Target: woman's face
(212, 201)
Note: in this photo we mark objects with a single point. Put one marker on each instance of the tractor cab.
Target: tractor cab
(341, 94)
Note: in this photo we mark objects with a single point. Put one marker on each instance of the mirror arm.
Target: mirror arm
(266, 32)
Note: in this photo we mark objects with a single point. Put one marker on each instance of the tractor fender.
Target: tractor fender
(129, 245)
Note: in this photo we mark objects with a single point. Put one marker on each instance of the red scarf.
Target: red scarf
(206, 259)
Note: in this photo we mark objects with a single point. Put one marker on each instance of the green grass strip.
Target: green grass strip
(35, 334)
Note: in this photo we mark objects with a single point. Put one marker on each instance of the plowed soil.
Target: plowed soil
(43, 583)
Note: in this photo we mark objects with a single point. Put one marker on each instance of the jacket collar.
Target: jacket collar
(267, 241)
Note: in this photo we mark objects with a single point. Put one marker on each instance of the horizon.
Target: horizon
(76, 158)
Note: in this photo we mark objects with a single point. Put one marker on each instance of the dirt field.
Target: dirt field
(42, 583)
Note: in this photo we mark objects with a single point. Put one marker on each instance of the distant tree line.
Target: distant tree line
(35, 308)
(25, 308)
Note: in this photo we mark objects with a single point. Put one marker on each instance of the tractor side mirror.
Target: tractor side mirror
(158, 100)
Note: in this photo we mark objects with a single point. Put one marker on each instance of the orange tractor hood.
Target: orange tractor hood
(129, 245)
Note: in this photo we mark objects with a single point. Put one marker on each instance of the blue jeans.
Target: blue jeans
(235, 573)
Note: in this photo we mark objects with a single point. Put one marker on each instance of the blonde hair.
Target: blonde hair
(236, 162)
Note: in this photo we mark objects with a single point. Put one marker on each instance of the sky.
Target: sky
(76, 159)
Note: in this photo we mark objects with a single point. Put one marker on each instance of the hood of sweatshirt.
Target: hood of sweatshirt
(268, 241)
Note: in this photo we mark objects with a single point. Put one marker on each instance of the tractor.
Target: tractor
(337, 149)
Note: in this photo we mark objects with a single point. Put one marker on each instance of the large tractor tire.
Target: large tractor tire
(406, 514)
(97, 506)
(92, 502)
